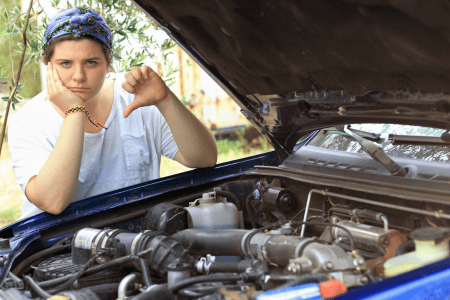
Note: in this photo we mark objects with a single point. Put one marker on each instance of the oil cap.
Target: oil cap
(436, 234)
(4, 244)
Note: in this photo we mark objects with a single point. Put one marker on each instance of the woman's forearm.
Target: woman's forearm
(195, 141)
(53, 188)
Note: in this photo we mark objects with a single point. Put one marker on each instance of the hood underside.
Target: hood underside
(320, 59)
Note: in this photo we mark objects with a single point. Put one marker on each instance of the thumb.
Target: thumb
(130, 108)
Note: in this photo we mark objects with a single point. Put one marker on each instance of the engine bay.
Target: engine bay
(261, 237)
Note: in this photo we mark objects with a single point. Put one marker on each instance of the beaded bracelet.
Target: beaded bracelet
(82, 109)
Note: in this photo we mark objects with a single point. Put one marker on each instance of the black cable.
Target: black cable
(36, 287)
(14, 278)
(248, 205)
(210, 278)
(145, 272)
(93, 270)
(278, 224)
(74, 278)
(29, 260)
(114, 263)
(103, 288)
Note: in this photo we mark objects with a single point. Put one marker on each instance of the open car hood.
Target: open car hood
(296, 66)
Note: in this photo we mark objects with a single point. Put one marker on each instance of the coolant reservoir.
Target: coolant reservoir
(212, 214)
(432, 245)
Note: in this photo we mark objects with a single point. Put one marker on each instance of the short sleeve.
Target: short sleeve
(28, 151)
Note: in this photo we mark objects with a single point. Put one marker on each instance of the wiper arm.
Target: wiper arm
(363, 134)
(376, 152)
(418, 139)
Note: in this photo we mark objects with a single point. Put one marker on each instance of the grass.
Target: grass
(11, 194)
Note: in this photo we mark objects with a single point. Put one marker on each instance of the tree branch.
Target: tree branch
(19, 72)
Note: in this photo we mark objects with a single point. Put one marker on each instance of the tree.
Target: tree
(134, 41)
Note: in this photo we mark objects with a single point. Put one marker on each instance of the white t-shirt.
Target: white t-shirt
(127, 153)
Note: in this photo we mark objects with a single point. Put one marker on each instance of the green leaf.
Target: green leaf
(29, 59)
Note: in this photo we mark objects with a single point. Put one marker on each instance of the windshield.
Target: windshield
(339, 141)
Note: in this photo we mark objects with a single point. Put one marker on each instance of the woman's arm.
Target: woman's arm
(53, 188)
(196, 143)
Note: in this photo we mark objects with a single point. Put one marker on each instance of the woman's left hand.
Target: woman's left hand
(147, 87)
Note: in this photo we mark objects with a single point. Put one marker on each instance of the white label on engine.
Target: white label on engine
(85, 238)
(364, 226)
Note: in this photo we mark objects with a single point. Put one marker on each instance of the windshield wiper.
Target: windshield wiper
(363, 134)
(417, 139)
(376, 152)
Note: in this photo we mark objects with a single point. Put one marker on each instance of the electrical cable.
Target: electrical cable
(145, 272)
(36, 287)
(74, 278)
(29, 260)
(211, 278)
(114, 263)
(248, 204)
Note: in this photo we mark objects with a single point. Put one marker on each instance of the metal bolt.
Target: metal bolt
(258, 185)
(384, 240)
(293, 267)
(364, 280)
(286, 201)
(360, 261)
(328, 265)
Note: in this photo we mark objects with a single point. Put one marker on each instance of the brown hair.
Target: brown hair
(48, 51)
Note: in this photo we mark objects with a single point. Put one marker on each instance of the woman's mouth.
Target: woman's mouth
(78, 89)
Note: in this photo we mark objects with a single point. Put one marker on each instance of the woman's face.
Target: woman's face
(81, 66)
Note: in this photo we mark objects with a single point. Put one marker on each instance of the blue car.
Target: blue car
(353, 203)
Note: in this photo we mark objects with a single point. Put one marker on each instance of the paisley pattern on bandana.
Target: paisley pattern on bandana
(78, 22)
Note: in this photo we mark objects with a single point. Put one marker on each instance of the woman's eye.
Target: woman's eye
(65, 63)
(91, 62)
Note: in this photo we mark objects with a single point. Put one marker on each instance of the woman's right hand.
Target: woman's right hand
(58, 94)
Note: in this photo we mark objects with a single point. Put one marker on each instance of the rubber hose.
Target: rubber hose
(248, 205)
(103, 288)
(36, 287)
(29, 260)
(230, 267)
(232, 198)
(214, 242)
(305, 278)
(115, 263)
(160, 292)
(68, 284)
(208, 278)
(145, 272)
(405, 247)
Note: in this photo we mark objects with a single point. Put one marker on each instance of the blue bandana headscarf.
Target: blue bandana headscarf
(78, 22)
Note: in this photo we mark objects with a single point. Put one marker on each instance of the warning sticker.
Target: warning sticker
(85, 238)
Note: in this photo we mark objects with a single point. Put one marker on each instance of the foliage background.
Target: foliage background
(10, 39)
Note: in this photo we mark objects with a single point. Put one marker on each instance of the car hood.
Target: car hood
(295, 66)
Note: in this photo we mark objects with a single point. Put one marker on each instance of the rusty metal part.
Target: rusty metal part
(238, 295)
(394, 239)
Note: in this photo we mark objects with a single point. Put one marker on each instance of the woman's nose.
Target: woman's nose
(79, 74)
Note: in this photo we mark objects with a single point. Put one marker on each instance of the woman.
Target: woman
(61, 152)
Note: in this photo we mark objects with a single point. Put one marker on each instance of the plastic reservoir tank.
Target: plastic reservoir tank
(432, 245)
(209, 213)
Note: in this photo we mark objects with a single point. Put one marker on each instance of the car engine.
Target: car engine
(259, 238)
